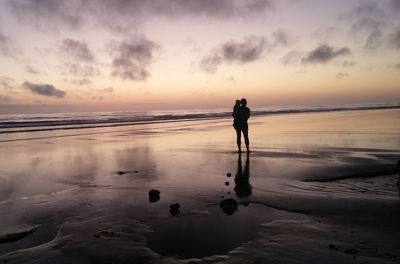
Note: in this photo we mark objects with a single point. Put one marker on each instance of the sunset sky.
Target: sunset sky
(103, 55)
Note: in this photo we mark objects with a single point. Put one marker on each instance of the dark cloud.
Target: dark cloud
(82, 71)
(44, 89)
(341, 75)
(49, 14)
(5, 98)
(395, 4)
(82, 82)
(132, 58)
(77, 49)
(324, 54)
(73, 14)
(281, 38)
(368, 21)
(394, 39)
(8, 47)
(31, 70)
(250, 49)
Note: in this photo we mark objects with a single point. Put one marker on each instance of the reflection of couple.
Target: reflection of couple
(242, 184)
(241, 114)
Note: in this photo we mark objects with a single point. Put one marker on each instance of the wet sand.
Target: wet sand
(317, 188)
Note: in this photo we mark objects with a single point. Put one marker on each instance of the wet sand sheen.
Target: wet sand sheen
(93, 189)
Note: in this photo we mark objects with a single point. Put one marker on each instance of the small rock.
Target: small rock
(228, 206)
(332, 247)
(229, 192)
(351, 251)
(174, 209)
(228, 174)
(154, 195)
(135, 171)
(226, 183)
(121, 172)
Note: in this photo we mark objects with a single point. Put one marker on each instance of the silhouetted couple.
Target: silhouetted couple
(241, 114)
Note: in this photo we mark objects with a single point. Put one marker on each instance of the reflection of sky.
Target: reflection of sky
(286, 147)
(175, 40)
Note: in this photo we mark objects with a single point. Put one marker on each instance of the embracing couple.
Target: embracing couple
(241, 114)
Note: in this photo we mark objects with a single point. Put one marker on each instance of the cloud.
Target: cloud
(368, 20)
(44, 89)
(84, 71)
(4, 98)
(394, 39)
(8, 47)
(31, 70)
(349, 64)
(324, 54)
(248, 50)
(292, 57)
(77, 49)
(395, 4)
(49, 14)
(341, 75)
(132, 58)
(108, 90)
(5, 82)
(82, 82)
(73, 14)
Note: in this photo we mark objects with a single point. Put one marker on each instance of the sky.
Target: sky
(103, 55)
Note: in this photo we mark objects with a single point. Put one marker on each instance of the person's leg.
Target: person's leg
(238, 139)
(246, 139)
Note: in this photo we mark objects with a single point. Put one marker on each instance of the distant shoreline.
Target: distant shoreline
(37, 123)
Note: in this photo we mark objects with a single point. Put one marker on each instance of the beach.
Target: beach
(318, 187)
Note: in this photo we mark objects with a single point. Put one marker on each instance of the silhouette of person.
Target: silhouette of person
(240, 124)
(242, 184)
(235, 113)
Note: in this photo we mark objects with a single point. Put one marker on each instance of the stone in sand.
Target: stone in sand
(121, 172)
(174, 209)
(154, 195)
(228, 206)
(12, 235)
(351, 251)
(226, 183)
(228, 174)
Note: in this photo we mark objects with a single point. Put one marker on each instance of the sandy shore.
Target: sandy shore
(317, 188)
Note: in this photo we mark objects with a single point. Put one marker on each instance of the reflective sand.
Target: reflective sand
(311, 173)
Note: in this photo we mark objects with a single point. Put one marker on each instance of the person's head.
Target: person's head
(237, 102)
(243, 101)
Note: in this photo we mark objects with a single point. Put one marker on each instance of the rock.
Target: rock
(332, 247)
(228, 174)
(351, 251)
(121, 172)
(154, 195)
(174, 209)
(12, 235)
(226, 183)
(228, 206)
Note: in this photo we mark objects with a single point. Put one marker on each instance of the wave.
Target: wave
(43, 122)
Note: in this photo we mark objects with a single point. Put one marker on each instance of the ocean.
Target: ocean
(43, 122)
